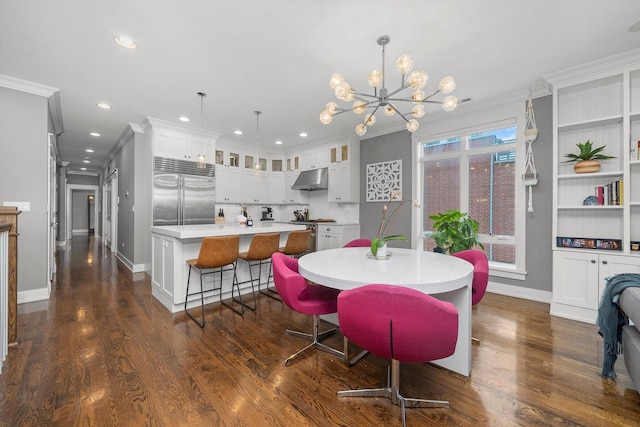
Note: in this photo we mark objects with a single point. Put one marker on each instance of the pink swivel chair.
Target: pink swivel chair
(400, 324)
(358, 243)
(304, 298)
(480, 275)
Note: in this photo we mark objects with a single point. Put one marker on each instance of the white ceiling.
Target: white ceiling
(277, 56)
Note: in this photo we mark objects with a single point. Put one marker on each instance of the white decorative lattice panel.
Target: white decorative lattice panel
(384, 179)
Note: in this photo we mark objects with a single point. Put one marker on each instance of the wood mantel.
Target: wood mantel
(9, 214)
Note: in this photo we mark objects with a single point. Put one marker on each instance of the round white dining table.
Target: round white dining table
(442, 276)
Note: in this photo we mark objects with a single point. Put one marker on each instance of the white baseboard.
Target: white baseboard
(519, 292)
(33, 295)
(135, 268)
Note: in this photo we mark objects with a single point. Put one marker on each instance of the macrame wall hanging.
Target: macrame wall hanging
(530, 176)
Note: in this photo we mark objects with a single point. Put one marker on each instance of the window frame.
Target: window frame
(497, 117)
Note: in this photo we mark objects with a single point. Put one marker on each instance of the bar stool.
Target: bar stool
(215, 254)
(260, 250)
(297, 243)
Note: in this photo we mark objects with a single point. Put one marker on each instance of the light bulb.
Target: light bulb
(404, 64)
(375, 78)
(335, 80)
(449, 103)
(370, 120)
(342, 91)
(418, 111)
(361, 129)
(413, 125)
(418, 96)
(447, 85)
(418, 79)
(389, 110)
(331, 107)
(359, 107)
(326, 117)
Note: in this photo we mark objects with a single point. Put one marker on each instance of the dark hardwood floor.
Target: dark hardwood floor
(102, 351)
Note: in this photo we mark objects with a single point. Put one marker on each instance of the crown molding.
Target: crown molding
(26, 86)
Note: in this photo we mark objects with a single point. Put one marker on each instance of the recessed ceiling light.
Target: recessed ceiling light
(278, 142)
(94, 134)
(89, 150)
(126, 42)
(303, 134)
(86, 161)
(104, 105)
(183, 119)
(237, 132)
(83, 169)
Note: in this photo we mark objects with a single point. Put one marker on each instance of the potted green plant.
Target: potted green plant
(587, 159)
(455, 231)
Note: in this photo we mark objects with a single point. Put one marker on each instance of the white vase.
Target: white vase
(382, 252)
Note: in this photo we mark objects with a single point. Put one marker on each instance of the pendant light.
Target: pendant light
(256, 165)
(202, 159)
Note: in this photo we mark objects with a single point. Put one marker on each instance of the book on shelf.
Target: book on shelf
(610, 194)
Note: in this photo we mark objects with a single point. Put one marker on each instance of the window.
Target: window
(475, 173)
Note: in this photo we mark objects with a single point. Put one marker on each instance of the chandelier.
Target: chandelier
(385, 100)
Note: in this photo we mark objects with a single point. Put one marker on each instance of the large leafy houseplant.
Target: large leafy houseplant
(455, 231)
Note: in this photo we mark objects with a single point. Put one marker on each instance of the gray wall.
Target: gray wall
(24, 122)
(539, 237)
(394, 146)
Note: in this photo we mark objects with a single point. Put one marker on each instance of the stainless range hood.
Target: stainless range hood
(315, 179)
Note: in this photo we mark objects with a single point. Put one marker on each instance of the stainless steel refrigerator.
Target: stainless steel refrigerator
(182, 193)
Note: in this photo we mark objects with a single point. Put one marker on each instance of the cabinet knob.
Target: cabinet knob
(604, 261)
(593, 261)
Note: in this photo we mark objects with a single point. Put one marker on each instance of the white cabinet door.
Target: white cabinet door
(340, 185)
(170, 145)
(255, 188)
(575, 279)
(314, 159)
(616, 264)
(162, 273)
(228, 184)
(197, 146)
(276, 188)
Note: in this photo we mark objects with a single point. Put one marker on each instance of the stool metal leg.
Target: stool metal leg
(201, 324)
(234, 283)
(269, 292)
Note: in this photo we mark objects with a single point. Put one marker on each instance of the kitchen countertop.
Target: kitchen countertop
(226, 229)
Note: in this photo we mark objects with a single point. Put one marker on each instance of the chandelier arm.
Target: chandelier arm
(400, 89)
(358, 94)
(373, 112)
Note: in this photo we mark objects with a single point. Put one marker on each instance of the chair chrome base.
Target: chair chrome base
(392, 392)
(351, 362)
(315, 338)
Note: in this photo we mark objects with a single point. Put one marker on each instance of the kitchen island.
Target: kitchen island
(173, 245)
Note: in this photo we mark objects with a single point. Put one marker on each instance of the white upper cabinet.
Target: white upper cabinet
(180, 142)
(314, 159)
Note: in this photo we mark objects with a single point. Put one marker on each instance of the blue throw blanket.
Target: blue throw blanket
(611, 319)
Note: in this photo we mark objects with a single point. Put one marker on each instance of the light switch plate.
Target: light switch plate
(22, 206)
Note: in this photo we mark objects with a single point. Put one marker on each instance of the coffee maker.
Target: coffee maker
(267, 214)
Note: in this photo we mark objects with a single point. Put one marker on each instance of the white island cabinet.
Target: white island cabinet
(172, 246)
